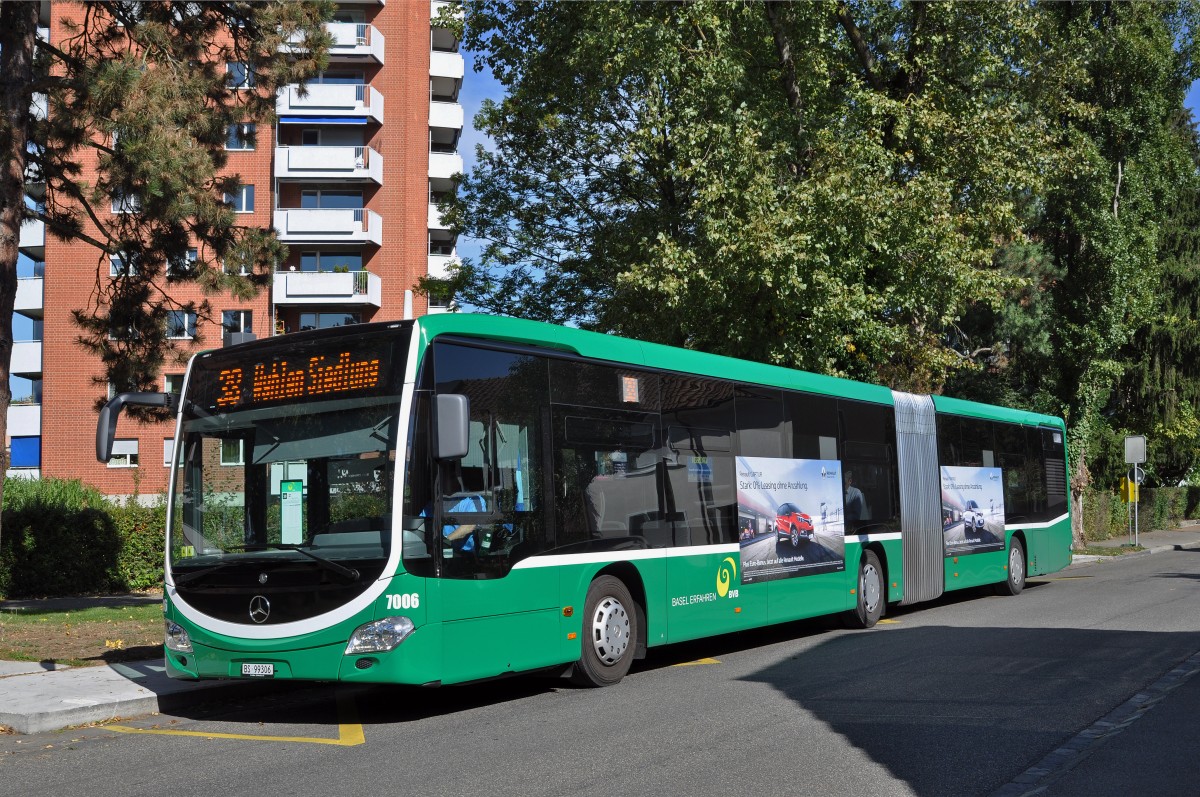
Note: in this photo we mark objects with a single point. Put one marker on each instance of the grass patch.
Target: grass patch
(1107, 550)
(99, 635)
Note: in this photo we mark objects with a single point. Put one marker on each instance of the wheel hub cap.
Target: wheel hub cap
(610, 630)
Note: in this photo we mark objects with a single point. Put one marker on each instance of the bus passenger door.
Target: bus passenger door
(489, 517)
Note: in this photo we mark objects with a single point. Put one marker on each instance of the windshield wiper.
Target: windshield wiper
(333, 567)
(195, 574)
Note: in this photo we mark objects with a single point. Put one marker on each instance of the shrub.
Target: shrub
(62, 537)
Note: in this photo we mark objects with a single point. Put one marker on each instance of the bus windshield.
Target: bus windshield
(286, 461)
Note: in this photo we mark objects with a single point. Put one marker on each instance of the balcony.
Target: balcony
(29, 296)
(360, 288)
(447, 65)
(353, 42)
(33, 238)
(439, 265)
(445, 165)
(446, 114)
(329, 225)
(26, 358)
(435, 218)
(331, 103)
(25, 420)
(329, 163)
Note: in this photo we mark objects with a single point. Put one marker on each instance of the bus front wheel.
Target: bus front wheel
(609, 634)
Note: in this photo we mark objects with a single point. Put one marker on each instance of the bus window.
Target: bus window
(699, 493)
(489, 502)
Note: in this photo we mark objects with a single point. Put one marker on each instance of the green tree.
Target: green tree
(1159, 393)
(142, 91)
(815, 185)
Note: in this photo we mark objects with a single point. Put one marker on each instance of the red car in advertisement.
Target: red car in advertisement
(793, 524)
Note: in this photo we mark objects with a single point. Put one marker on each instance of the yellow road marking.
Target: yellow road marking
(697, 661)
(887, 621)
(350, 732)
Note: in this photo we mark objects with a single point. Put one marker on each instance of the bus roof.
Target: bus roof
(613, 348)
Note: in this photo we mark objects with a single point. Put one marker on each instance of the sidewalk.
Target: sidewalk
(34, 699)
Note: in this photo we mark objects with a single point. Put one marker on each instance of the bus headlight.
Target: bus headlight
(176, 638)
(380, 636)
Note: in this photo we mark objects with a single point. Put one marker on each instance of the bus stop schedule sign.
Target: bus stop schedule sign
(291, 499)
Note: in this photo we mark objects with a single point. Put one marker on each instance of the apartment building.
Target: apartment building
(349, 176)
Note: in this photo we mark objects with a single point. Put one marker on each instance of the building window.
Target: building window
(124, 454)
(310, 137)
(183, 264)
(122, 265)
(237, 320)
(168, 451)
(239, 74)
(326, 199)
(125, 203)
(231, 453)
(173, 383)
(327, 320)
(331, 261)
(181, 324)
(241, 137)
(243, 200)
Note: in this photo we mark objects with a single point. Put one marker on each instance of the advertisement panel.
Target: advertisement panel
(791, 516)
(972, 510)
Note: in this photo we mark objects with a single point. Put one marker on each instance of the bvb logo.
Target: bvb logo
(725, 574)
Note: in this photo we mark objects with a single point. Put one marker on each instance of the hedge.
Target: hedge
(1105, 515)
(62, 537)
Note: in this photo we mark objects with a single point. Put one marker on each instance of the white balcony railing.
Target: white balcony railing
(439, 265)
(29, 295)
(329, 163)
(25, 420)
(345, 288)
(445, 164)
(435, 218)
(26, 357)
(331, 99)
(444, 64)
(329, 225)
(446, 114)
(33, 234)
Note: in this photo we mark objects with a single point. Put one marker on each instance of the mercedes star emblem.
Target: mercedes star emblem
(260, 609)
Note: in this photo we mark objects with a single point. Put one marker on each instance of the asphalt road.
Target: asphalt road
(960, 697)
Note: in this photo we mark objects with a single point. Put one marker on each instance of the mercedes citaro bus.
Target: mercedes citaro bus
(460, 497)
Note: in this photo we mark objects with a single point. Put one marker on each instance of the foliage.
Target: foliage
(66, 538)
(1106, 516)
(813, 185)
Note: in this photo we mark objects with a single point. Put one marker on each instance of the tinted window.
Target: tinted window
(489, 503)
(869, 471)
(698, 485)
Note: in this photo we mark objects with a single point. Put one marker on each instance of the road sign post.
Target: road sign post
(1135, 454)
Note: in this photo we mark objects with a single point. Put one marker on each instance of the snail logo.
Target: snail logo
(725, 574)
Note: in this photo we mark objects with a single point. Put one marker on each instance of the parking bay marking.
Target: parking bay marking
(350, 732)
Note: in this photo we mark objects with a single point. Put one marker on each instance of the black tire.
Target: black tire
(1015, 582)
(872, 596)
(610, 633)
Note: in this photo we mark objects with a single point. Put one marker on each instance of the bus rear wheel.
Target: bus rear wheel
(1016, 570)
(870, 593)
(610, 632)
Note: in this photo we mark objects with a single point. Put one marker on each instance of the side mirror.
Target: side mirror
(453, 426)
(106, 424)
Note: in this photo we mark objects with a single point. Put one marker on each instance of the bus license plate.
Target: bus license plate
(259, 670)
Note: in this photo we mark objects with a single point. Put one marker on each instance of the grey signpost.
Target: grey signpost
(1135, 455)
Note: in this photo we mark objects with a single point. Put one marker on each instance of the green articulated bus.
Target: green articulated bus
(461, 497)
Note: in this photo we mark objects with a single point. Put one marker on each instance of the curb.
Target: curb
(54, 700)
